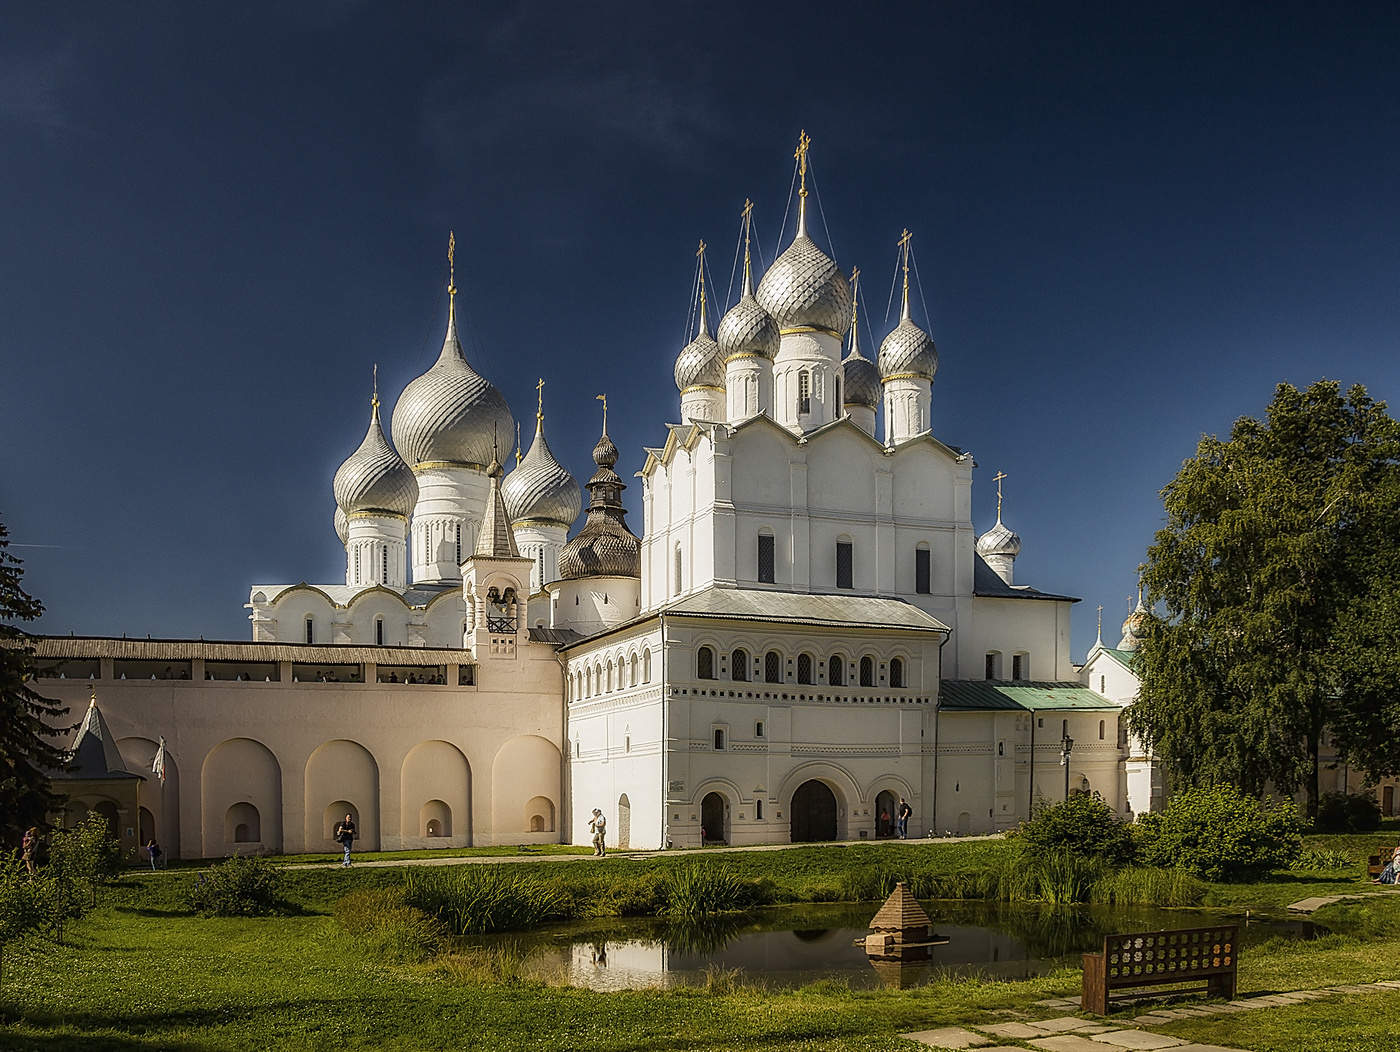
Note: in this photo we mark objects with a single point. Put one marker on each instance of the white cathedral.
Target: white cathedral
(807, 629)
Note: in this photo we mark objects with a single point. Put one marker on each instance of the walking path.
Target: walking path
(1317, 902)
(481, 860)
(1072, 1033)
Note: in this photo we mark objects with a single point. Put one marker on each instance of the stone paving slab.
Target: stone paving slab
(1206, 1048)
(1062, 1025)
(1057, 1002)
(953, 1037)
(1068, 1043)
(1137, 1039)
(1016, 1030)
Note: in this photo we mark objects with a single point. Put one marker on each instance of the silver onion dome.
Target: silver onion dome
(1135, 627)
(699, 364)
(999, 540)
(342, 525)
(605, 547)
(805, 289)
(908, 351)
(540, 488)
(862, 380)
(746, 328)
(451, 414)
(375, 478)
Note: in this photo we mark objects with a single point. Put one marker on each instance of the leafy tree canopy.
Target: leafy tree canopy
(1276, 570)
(27, 721)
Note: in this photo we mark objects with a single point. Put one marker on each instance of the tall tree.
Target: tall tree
(1258, 573)
(28, 722)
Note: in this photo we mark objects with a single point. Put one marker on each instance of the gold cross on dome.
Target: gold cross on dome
(604, 399)
(804, 143)
(451, 261)
(998, 477)
(539, 388)
(374, 398)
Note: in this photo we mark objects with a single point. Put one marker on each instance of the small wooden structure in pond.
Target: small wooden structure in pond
(900, 924)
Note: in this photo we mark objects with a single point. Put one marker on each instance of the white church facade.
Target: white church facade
(808, 628)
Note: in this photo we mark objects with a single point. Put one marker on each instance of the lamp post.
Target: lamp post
(1066, 747)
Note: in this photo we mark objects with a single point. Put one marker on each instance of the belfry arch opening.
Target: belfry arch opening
(813, 813)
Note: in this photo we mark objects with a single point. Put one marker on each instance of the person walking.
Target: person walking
(597, 827)
(154, 852)
(904, 813)
(30, 848)
(345, 836)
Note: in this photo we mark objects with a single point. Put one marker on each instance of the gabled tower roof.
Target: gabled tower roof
(94, 752)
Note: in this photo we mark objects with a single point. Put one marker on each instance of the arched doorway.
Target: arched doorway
(813, 813)
(624, 821)
(964, 823)
(108, 811)
(713, 827)
(886, 814)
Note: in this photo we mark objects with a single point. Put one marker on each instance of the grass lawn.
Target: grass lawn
(142, 974)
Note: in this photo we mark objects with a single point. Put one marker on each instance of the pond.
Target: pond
(792, 946)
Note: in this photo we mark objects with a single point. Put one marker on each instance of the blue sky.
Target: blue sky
(1130, 222)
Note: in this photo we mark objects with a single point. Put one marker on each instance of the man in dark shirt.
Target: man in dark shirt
(904, 812)
(345, 837)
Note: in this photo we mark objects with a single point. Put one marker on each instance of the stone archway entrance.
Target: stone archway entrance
(712, 824)
(813, 813)
(886, 814)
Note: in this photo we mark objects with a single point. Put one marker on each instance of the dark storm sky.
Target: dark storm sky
(1130, 222)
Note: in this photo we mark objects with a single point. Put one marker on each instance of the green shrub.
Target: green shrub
(1219, 834)
(82, 860)
(1081, 826)
(477, 900)
(383, 922)
(1322, 858)
(1057, 876)
(25, 904)
(1148, 886)
(702, 890)
(1347, 813)
(242, 886)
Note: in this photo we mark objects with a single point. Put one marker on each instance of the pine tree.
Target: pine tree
(1260, 572)
(27, 721)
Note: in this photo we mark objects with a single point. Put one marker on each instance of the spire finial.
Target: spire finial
(855, 312)
(452, 274)
(92, 697)
(747, 213)
(374, 398)
(700, 255)
(804, 143)
(1139, 606)
(904, 240)
(1098, 640)
(539, 409)
(999, 476)
(604, 399)
(517, 444)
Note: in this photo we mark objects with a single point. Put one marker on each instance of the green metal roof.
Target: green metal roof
(1127, 658)
(982, 695)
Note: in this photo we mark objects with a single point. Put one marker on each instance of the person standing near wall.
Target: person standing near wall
(345, 837)
(597, 827)
(904, 812)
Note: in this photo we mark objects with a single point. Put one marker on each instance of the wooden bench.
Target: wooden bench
(1205, 956)
(1377, 862)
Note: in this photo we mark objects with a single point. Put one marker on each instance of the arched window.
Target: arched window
(836, 671)
(993, 664)
(597, 679)
(739, 665)
(310, 629)
(804, 392)
(646, 666)
(923, 569)
(632, 671)
(719, 738)
(804, 668)
(587, 682)
(676, 571)
(867, 671)
(705, 663)
(896, 672)
(610, 675)
(379, 631)
(772, 667)
(384, 564)
(357, 564)
(1101, 730)
(845, 564)
(767, 570)
(1020, 666)
(459, 544)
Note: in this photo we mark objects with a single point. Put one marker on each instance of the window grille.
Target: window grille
(384, 564)
(804, 668)
(867, 671)
(765, 558)
(896, 672)
(739, 666)
(804, 392)
(705, 663)
(772, 667)
(836, 671)
(844, 561)
(923, 571)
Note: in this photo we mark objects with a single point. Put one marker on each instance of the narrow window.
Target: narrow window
(844, 560)
(1018, 666)
(804, 668)
(838, 392)
(627, 743)
(758, 809)
(379, 631)
(896, 672)
(804, 392)
(1101, 684)
(867, 671)
(836, 671)
(739, 666)
(646, 666)
(991, 666)
(384, 553)
(765, 558)
(772, 667)
(459, 544)
(758, 729)
(705, 663)
(676, 588)
(357, 564)
(310, 629)
(1101, 729)
(719, 740)
(923, 571)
